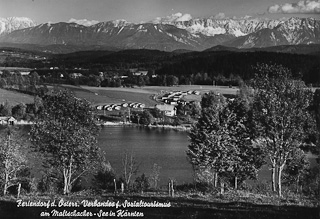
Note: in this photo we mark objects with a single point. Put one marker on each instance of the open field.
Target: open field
(108, 95)
(15, 68)
(201, 88)
(14, 97)
(115, 95)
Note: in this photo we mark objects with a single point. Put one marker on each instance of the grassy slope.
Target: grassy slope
(14, 97)
(108, 95)
(101, 96)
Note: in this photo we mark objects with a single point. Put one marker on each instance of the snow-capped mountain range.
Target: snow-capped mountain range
(7, 25)
(181, 32)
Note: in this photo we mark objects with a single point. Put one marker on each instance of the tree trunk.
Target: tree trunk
(221, 188)
(279, 180)
(235, 182)
(65, 181)
(5, 189)
(273, 178)
(115, 186)
(6, 171)
(215, 180)
(298, 178)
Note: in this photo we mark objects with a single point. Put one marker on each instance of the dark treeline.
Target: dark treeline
(232, 64)
(220, 67)
(217, 63)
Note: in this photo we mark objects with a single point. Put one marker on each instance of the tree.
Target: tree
(104, 178)
(6, 109)
(141, 183)
(34, 78)
(316, 109)
(12, 158)
(65, 132)
(130, 168)
(210, 144)
(247, 159)
(316, 103)
(296, 169)
(155, 175)
(3, 83)
(38, 104)
(172, 80)
(5, 74)
(280, 115)
(146, 118)
(19, 111)
(141, 81)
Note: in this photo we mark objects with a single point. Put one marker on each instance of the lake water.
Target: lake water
(167, 148)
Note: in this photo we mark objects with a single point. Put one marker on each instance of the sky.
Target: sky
(91, 11)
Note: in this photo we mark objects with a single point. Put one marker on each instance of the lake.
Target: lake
(167, 148)
(164, 147)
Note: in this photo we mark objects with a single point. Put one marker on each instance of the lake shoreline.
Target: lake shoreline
(177, 128)
(121, 124)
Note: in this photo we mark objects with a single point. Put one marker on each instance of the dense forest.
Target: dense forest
(218, 65)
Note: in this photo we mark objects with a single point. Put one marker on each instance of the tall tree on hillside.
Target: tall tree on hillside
(316, 108)
(5, 74)
(34, 78)
(6, 109)
(19, 111)
(130, 168)
(316, 101)
(155, 175)
(248, 159)
(280, 115)
(210, 146)
(12, 157)
(66, 133)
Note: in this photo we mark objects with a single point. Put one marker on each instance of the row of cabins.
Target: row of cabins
(169, 110)
(175, 97)
(111, 107)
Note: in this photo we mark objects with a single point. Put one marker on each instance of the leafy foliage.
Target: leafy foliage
(130, 168)
(146, 118)
(280, 114)
(13, 159)
(248, 158)
(155, 176)
(66, 133)
(141, 183)
(104, 178)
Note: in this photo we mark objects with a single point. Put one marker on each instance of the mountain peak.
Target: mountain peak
(119, 22)
(7, 25)
(178, 31)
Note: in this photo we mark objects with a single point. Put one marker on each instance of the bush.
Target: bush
(258, 187)
(104, 178)
(202, 187)
(50, 181)
(141, 183)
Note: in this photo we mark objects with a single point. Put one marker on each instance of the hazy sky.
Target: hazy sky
(145, 10)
